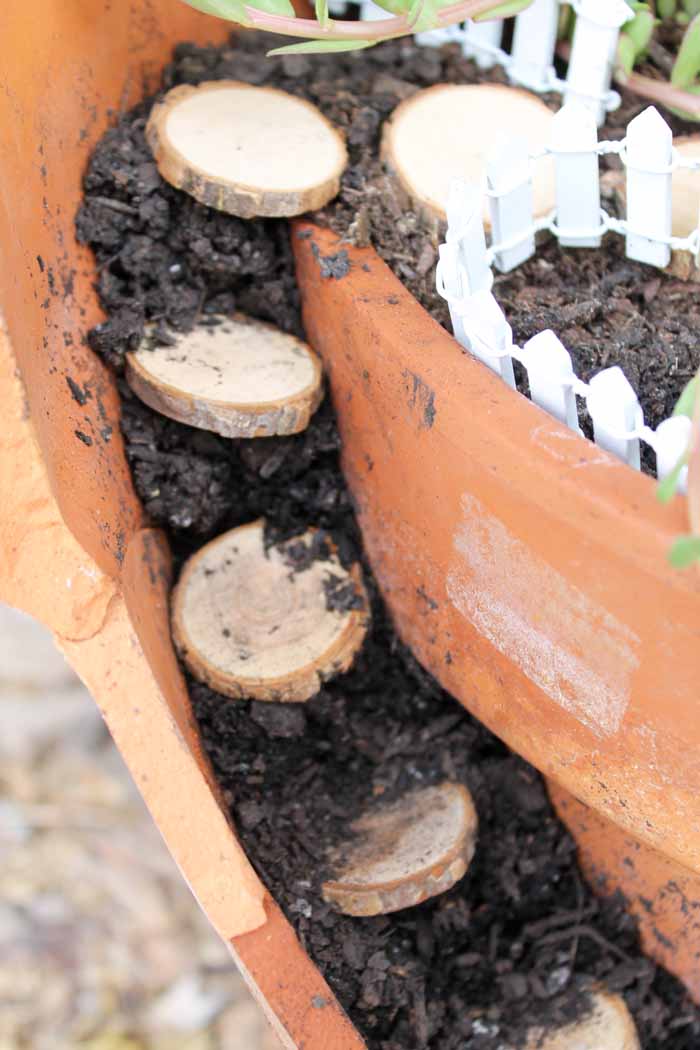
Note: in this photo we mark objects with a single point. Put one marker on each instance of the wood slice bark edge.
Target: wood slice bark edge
(224, 194)
(267, 418)
(363, 898)
(298, 684)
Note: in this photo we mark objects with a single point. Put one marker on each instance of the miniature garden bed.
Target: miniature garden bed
(520, 939)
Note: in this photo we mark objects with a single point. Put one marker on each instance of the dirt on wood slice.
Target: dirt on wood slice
(449, 131)
(405, 852)
(233, 375)
(268, 623)
(608, 1026)
(249, 151)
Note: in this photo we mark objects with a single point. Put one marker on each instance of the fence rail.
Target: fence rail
(530, 62)
(467, 259)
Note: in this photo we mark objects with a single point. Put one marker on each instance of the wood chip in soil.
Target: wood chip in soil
(248, 151)
(232, 375)
(405, 852)
(268, 622)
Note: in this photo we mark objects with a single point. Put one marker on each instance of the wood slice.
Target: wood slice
(686, 189)
(608, 1026)
(236, 376)
(449, 131)
(250, 151)
(406, 852)
(251, 624)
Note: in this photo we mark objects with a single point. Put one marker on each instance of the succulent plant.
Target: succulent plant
(328, 34)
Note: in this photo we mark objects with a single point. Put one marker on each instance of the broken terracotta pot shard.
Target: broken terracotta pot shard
(236, 376)
(405, 852)
(423, 160)
(262, 623)
(249, 151)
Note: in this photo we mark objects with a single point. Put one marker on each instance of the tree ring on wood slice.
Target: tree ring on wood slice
(235, 376)
(249, 151)
(607, 1026)
(261, 623)
(405, 852)
(449, 131)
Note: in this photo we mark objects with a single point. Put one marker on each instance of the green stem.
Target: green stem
(383, 29)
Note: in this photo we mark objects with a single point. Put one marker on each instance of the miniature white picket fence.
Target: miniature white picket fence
(465, 275)
(530, 62)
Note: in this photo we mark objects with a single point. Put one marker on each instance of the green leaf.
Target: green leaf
(684, 552)
(666, 8)
(423, 15)
(635, 37)
(503, 10)
(685, 405)
(667, 488)
(322, 16)
(687, 65)
(317, 47)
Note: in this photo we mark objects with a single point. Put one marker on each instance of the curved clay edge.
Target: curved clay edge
(278, 418)
(298, 687)
(428, 212)
(364, 901)
(246, 202)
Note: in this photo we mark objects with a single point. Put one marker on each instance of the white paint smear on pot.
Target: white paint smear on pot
(579, 654)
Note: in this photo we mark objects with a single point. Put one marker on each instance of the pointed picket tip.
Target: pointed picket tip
(546, 349)
(649, 127)
(574, 127)
(610, 13)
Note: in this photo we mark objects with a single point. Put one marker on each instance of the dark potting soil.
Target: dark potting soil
(521, 939)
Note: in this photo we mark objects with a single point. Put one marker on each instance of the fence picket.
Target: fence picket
(596, 33)
(452, 277)
(477, 34)
(488, 334)
(649, 188)
(511, 203)
(577, 174)
(613, 406)
(551, 376)
(534, 40)
(465, 227)
(671, 442)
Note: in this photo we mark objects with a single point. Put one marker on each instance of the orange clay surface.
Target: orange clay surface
(524, 566)
(73, 549)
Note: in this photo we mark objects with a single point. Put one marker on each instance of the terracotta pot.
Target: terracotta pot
(524, 566)
(527, 569)
(74, 551)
